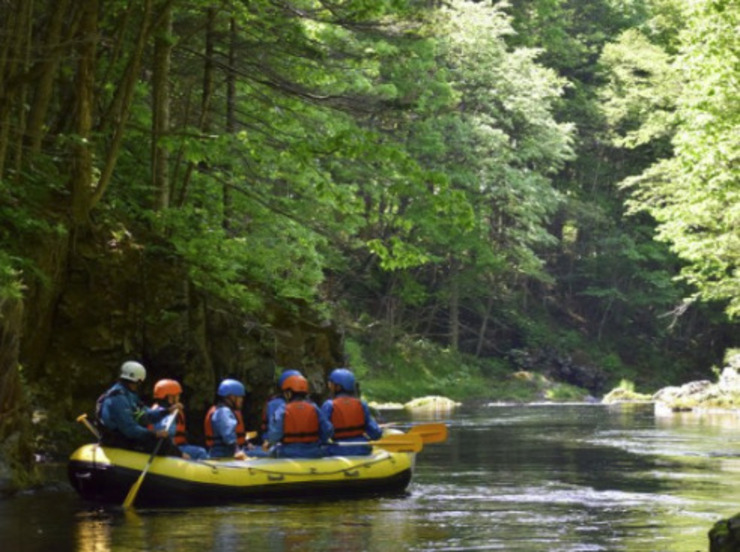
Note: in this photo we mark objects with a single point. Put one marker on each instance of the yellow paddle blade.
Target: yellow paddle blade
(430, 433)
(402, 442)
(133, 491)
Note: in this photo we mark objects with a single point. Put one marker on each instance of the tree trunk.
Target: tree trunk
(15, 46)
(120, 114)
(230, 115)
(161, 110)
(484, 326)
(81, 166)
(204, 122)
(454, 321)
(44, 89)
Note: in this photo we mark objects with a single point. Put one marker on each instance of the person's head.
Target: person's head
(132, 374)
(342, 380)
(167, 389)
(232, 391)
(285, 375)
(295, 386)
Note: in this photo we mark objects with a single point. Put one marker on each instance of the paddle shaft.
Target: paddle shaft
(82, 418)
(396, 443)
(131, 496)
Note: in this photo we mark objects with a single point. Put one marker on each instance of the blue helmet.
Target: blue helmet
(231, 387)
(285, 375)
(343, 378)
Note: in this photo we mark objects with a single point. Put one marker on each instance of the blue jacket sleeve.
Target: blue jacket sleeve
(328, 408)
(326, 430)
(158, 416)
(120, 413)
(224, 424)
(275, 425)
(162, 424)
(372, 429)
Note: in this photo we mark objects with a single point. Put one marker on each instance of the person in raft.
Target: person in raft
(275, 401)
(349, 416)
(298, 429)
(169, 391)
(224, 424)
(124, 420)
(268, 413)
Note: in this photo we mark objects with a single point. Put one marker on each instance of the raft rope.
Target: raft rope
(311, 471)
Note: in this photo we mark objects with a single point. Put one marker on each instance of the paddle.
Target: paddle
(82, 418)
(429, 433)
(131, 496)
(402, 442)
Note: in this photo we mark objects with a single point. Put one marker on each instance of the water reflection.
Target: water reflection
(515, 478)
(93, 532)
(333, 526)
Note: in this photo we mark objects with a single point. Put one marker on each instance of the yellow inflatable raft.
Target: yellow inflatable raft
(107, 474)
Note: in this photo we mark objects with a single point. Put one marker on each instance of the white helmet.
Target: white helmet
(133, 371)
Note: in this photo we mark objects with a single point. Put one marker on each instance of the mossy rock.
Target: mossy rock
(620, 394)
(431, 403)
(725, 535)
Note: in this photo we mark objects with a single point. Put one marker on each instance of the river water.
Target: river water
(514, 478)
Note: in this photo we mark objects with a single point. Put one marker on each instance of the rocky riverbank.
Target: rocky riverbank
(724, 394)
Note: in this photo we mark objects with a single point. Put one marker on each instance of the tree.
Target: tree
(694, 194)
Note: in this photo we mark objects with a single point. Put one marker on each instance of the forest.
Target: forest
(439, 195)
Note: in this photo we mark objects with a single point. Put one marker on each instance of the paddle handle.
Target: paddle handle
(82, 418)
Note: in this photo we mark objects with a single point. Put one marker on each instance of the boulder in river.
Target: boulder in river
(725, 535)
(432, 403)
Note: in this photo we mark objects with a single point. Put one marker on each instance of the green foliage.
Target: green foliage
(446, 172)
(563, 392)
(415, 368)
(693, 195)
(641, 94)
(11, 286)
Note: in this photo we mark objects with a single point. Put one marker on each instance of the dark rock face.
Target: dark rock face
(560, 367)
(116, 301)
(725, 535)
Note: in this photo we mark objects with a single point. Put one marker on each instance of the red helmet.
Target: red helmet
(166, 387)
(297, 384)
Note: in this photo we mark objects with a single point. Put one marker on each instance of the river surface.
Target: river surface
(514, 478)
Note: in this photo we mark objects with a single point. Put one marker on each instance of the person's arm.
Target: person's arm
(328, 408)
(275, 427)
(157, 415)
(326, 430)
(372, 429)
(120, 412)
(224, 425)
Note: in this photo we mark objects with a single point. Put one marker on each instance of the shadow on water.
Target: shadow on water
(514, 478)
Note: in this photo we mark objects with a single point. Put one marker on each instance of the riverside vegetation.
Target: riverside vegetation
(518, 201)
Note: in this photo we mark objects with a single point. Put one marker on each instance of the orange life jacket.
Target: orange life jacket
(181, 431)
(208, 426)
(181, 437)
(301, 424)
(263, 425)
(347, 417)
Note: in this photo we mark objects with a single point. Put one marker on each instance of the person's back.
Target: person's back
(124, 419)
(224, 425)
(275, 401)
(169, 391)
(300, 429)
(350, 417)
